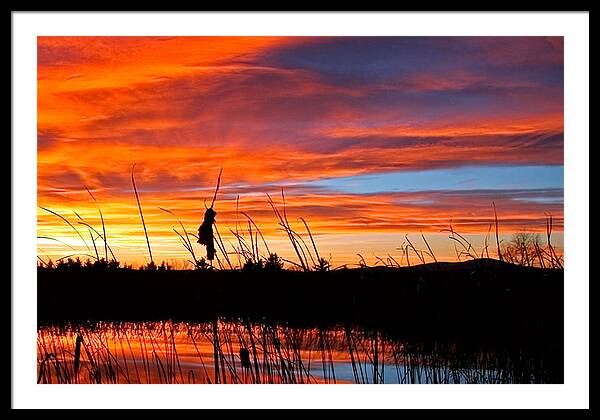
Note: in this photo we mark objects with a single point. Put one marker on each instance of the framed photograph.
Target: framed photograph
(253, 209)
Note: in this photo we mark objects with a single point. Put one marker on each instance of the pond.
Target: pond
(238, 351)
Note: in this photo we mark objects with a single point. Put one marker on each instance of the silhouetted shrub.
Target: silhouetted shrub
(274, 262)
(323, 265)
(251, 265)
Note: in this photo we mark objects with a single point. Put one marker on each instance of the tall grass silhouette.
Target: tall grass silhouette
(137, 198)
(252, 251)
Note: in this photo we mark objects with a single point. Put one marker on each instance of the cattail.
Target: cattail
(205, 231)
(78, 342)
(245, 358)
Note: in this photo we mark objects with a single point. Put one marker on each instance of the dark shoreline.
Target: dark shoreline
(483, 299)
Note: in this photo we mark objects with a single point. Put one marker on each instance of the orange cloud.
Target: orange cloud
(181, 107)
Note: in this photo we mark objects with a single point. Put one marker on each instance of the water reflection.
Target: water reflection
(244, 352)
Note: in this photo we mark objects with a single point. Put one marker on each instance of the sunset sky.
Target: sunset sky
(372, 139)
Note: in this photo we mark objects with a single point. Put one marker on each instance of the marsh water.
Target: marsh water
(240, 351)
